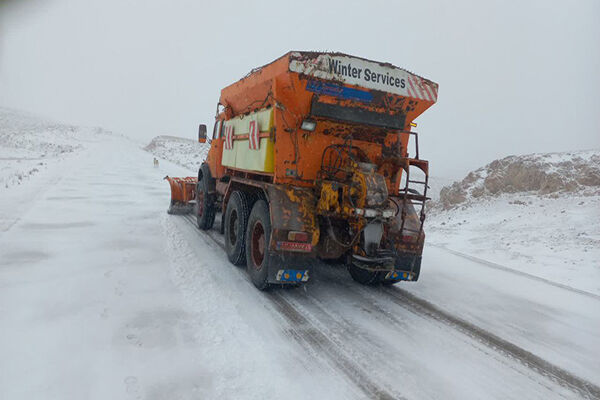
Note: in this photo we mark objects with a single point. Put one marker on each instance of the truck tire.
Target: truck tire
(205, 206)
(236, 220)
(362, 276)
(258, 235)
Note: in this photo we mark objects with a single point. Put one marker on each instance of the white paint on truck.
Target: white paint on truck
(364, 73)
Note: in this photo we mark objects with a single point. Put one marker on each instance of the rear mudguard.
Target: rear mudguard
(286, 261)
(407, 262)
(408, 246)
(291, 209)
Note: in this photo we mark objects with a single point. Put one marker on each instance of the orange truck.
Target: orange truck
(309, 159)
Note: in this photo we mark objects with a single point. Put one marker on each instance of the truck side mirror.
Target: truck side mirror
(202, 133)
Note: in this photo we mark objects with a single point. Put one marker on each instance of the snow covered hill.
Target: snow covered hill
(537, 214)
(551, 173)
(435, 186)
(35, 154)
(185, 152)
(29, 144)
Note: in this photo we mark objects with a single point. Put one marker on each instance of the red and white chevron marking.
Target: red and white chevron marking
(420, 90)
(253, 135)
(228, 137)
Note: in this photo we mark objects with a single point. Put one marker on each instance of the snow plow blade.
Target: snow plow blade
(183, 194)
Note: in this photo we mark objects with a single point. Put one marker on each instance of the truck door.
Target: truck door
(216, 150)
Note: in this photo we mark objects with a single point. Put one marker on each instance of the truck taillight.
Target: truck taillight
(294, 236)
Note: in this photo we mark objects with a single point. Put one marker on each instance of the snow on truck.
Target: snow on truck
(309, 160)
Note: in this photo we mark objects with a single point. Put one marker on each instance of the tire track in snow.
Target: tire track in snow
(424, 308)
(561, 376)
(427, 310)
(500, 267)
(305, 331)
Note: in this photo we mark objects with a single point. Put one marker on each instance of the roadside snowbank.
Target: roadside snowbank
(554, 238)
(35, 154)
(185, 152)
(29, 145)
(536, 214)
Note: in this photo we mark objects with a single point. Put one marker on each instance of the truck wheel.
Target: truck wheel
(205, 207)
(258, 235)
(361, 275)
(236, 220)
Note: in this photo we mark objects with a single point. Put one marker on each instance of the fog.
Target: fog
(514, 79)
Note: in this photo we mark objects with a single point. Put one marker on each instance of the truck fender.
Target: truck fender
(292, 209)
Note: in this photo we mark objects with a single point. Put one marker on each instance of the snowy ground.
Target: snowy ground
(535, 214)
(28, 145)
(33, 156)
(185, 152)
(553, 238)
(103, 295)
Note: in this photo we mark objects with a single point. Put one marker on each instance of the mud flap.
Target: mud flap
(407, 267)
(289, 268)
(292, 209)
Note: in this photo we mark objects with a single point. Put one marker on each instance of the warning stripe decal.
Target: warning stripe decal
(427, 90)
(229, 137)
(412, 87)
(420, 90)
(253, 135)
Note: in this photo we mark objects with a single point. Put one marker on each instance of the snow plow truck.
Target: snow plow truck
(309, 159)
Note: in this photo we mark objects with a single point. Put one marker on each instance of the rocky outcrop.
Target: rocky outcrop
(543, 174)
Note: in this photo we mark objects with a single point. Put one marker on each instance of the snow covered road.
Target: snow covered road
(103, 295)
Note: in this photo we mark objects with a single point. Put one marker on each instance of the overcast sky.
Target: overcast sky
(515, 77)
